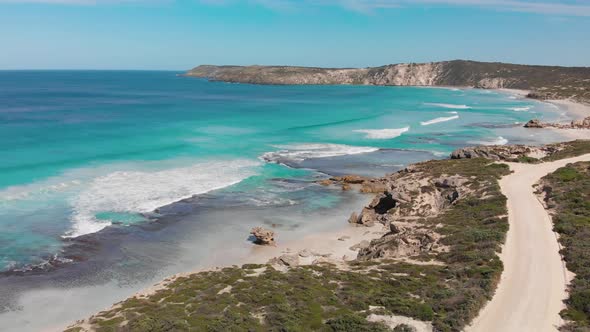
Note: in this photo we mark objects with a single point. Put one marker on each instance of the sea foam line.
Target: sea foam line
(145, 191)
(451, 106)
(300, 152)
(521, 109)
(437, 120)
(382, 133)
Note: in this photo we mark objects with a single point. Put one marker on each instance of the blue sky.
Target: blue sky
(180, 34)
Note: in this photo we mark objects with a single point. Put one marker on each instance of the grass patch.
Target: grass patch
(568, 192)
(570, 149)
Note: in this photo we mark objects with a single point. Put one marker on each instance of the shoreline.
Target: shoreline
(325, 245)
(573, 110)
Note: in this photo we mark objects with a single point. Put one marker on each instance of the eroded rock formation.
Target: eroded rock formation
(410, 195)
(575, 124)
(263, 236)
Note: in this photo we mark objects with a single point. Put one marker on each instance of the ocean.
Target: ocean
(110, 180)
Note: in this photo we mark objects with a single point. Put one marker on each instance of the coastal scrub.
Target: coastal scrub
(326, 297)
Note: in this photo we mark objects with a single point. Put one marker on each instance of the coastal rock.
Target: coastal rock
(351, 179)
(575, 124)
(581, 124)
(347, 182)
(305, 253)
(497, 152)
(263, 236)
(353, 219)
(511, 153)
(534, 123)
(395, 229)
(373, 186)
(361, 245)
(407, 243)
(289, 260)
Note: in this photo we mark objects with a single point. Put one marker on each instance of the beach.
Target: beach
(337, 246)
(140, 246)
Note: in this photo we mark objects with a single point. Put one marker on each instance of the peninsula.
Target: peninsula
(543, 82)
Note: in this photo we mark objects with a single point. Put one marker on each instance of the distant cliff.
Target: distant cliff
(546, 82)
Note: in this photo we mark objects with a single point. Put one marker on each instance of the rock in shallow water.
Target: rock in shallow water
(263, 236)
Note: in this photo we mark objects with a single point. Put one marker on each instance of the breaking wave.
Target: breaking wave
(144, 191)
(300, 152)
(382, 133)
(521, 109)
(451, 106)
(437, 120)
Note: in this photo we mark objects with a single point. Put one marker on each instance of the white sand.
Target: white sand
(573, 109)
(533, 284)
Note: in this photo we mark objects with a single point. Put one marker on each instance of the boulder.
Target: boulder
(263, 236)
(353, 219)
(534, 123)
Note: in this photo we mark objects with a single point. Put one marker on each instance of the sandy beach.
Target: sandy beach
(573, 111)
(335, 245)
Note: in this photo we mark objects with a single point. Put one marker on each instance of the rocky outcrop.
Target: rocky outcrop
(513, 153)
(364, 184)
(263, 236)
(407, 242)
(575, 124)
(499, 152)
(534, 123)
(545, 81)
(409, 195)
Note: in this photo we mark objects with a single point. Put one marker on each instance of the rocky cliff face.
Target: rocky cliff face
(546, 81)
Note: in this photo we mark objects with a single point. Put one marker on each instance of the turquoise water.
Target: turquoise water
(81, 150)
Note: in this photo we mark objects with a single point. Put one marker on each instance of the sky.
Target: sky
(181, 34)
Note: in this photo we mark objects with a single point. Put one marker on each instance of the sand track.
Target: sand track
(533, 285)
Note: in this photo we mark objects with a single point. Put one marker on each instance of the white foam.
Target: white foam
(300, 152)
(382, 133)
(37, 190)
(521, 109)
(144, 191)
(451, 106)
(437, 120)
(498, 141)
(452, 112)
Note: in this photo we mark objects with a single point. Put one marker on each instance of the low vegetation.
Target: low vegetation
(324, 297)
(569, 150)
(567, 195)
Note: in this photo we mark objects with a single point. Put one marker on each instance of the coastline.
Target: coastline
(573, 110)
(334, 246)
